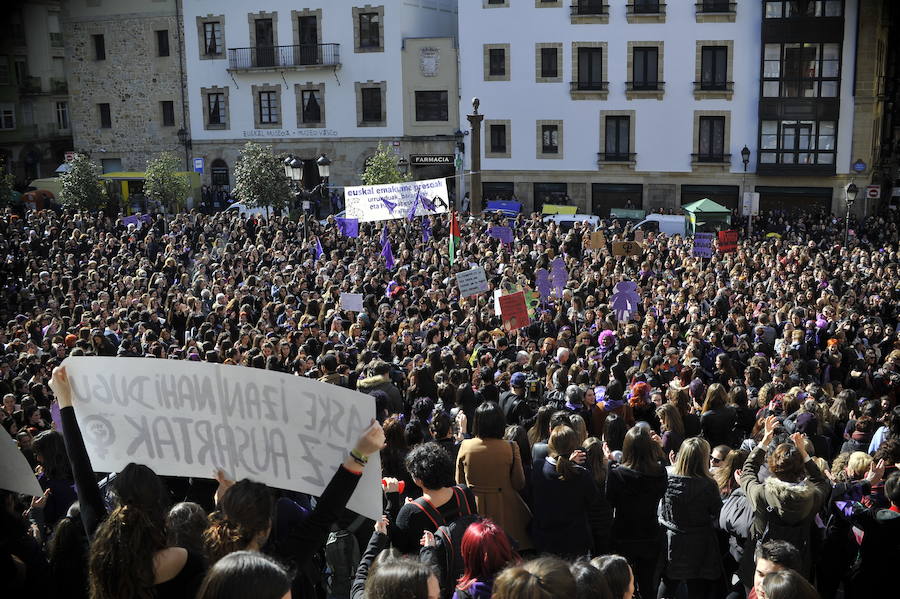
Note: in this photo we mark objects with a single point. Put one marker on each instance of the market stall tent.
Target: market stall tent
(706, 215)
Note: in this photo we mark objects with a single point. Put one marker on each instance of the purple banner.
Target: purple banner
(703, 244)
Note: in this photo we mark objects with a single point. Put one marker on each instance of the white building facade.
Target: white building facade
(641, 104)
(332, 77)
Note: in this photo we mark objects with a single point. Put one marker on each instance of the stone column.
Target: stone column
(475, 123)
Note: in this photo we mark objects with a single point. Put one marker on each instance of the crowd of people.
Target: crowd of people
(736, 435)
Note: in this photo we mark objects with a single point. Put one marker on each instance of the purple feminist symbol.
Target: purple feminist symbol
(559, 275)
(625, 300)
(542, 282)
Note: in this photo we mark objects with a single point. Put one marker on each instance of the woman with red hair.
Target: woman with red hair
(641, 406)
(486, 551)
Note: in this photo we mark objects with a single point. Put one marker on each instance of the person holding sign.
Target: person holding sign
(129, 556)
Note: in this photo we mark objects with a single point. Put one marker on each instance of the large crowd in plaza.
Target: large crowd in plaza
(737, 436)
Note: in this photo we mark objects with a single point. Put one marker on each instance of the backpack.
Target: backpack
(342, 556)
(448, 537)
(798, 535)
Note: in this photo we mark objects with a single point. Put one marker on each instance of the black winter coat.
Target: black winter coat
(689, 509)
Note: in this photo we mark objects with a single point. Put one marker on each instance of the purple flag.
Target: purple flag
(412, 210)
(426, 230)
(388, 254)
(349, 227)
(55, 416)
(428, 204)
(389, 204)
(319, 250)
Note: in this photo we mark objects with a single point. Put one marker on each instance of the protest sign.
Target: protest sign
(703, 244)
(626, 248)
(15, 473)
(514, 311)
(596, 241)
(352, 302)
(625, 300)
(728, 241)
(137, 220)
(368, 203)
(504, 234)
(472, 282)
(185, 418)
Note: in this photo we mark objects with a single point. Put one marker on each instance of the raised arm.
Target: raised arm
(305, 539)
(89, 498)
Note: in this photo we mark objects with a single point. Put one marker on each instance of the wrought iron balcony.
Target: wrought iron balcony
(615, 157)
(30, 85)
(714, 86)
(589, 86)
(645, 86)
(59, 86)
(708, 7)
(589, 8)
(645, 7)
(711, 158)
(304, 56)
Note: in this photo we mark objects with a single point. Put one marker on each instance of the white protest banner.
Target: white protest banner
(369, 203)
(15, 473)
(472, 282)
(185, 418)
(352, 302)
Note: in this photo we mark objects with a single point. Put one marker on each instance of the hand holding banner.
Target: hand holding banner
(185, 418)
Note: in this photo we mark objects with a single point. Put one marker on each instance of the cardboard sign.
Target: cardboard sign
(472, 282)
(15, 473)
(184, 418)
(703, 244)
(514, 311)
(728, 241)
(352, 302)
(626, 248)
(596, 241)
(368, 203)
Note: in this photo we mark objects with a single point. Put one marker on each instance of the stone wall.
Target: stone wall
(133, 80)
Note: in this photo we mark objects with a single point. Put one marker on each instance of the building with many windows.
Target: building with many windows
(330, 77)
(126, 81)
(35, 125)
(648, 105)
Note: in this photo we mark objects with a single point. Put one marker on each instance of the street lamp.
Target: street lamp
(185, 140)
(403, 165)
(324, 165)
(745, 158)
(850, 194)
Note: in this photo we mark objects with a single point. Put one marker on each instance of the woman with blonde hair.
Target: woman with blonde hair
(689, 508)
(542, 578)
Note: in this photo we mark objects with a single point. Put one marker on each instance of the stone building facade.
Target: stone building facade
(125, 80)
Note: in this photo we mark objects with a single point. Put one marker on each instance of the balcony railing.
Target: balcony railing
(589, 9)
(279, 57)
(645, 8)
(716, 7)
(30, 85)
(644, 86)
(711, 158)
(589, 86)
(615, 157)
(56, 40)
(713, 86)
(59, 86)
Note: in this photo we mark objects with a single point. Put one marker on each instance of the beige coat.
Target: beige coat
(492, 468)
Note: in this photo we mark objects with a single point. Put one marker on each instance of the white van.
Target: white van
(240, 208)
(670, 224)
(567, 221)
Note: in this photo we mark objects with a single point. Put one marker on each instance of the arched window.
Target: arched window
(219, 172)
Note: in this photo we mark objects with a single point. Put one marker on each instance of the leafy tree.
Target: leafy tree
(81, 185)
(163, 184)
(382, 168)
(259, 178)
(6, 187)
